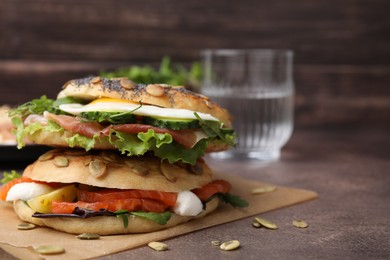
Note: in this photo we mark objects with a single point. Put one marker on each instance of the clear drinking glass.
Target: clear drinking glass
(256, 86)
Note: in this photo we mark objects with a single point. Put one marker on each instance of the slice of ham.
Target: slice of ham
(73, 124)
(34, 118)
(187, 138)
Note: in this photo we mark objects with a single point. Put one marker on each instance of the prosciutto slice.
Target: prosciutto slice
(187, 138)
(73, 124)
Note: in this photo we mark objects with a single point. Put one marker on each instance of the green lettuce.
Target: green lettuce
(161, 144)
(9, 176)
(160, 218)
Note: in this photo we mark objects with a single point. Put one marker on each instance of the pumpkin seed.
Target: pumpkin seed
(230, 245)
(26, 226)
(256, 224)
(97, 168)
(158, 246)
(87, 160)
(75, 152)
(46, 156)
(300, 224)
(140, 170)
(127, 84)
(216, 242)
(109, 157)
(196, 169)
(88, 236)
(95, 80)
(61, 161)
(266, 223)
(262, 190)
(49, 250)
(155, 90)
(168, 172)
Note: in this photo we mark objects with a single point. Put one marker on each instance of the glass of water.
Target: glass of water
(256, 87)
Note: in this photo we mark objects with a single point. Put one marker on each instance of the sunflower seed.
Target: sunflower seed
(300, 224)
(230, 245)
(158, 246)
(216, 242)
(97, 168)
(49, 250)
(266, 223)
(155, 90)
(61, 161)
(26, 226)
(262, 190)
(88, 236)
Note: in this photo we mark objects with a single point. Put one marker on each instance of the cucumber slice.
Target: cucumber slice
(170, 123)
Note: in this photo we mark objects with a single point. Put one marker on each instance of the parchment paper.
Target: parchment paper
(20, 243)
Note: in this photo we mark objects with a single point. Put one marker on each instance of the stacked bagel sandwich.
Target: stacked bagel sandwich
(126, 158)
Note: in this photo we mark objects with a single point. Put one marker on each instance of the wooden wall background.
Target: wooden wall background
(342, 47)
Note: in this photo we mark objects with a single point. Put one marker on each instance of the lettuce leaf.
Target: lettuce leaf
(213, 129)
(160, 144)
(160, 218)
(40, 105)
(9, 176)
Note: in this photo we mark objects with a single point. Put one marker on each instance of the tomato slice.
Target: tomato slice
(208, 190)
(60, 207)
(6, 187)
(168, 198)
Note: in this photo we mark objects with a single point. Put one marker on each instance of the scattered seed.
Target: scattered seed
(300, 224)
(256, 224)
(140, 170)
(97, 168)
(230, 245)
(266, 223)
(168, 172)
(126, 83)
(109, 157)
(75, 152)
(87, 160)
(88, 236)
(26, 226)
(158, 246)
(61, 161)
(49, 250)
(196, 169)
(155, 90)
(95, 80)
(262, 190)
(46, 156)
(216, 242)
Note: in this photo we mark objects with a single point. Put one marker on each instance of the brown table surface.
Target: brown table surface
(350, 170)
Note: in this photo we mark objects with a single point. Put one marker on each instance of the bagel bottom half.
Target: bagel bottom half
(105, 225)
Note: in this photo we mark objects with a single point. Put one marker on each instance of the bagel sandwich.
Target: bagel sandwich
(170, 122)
(103, 192)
